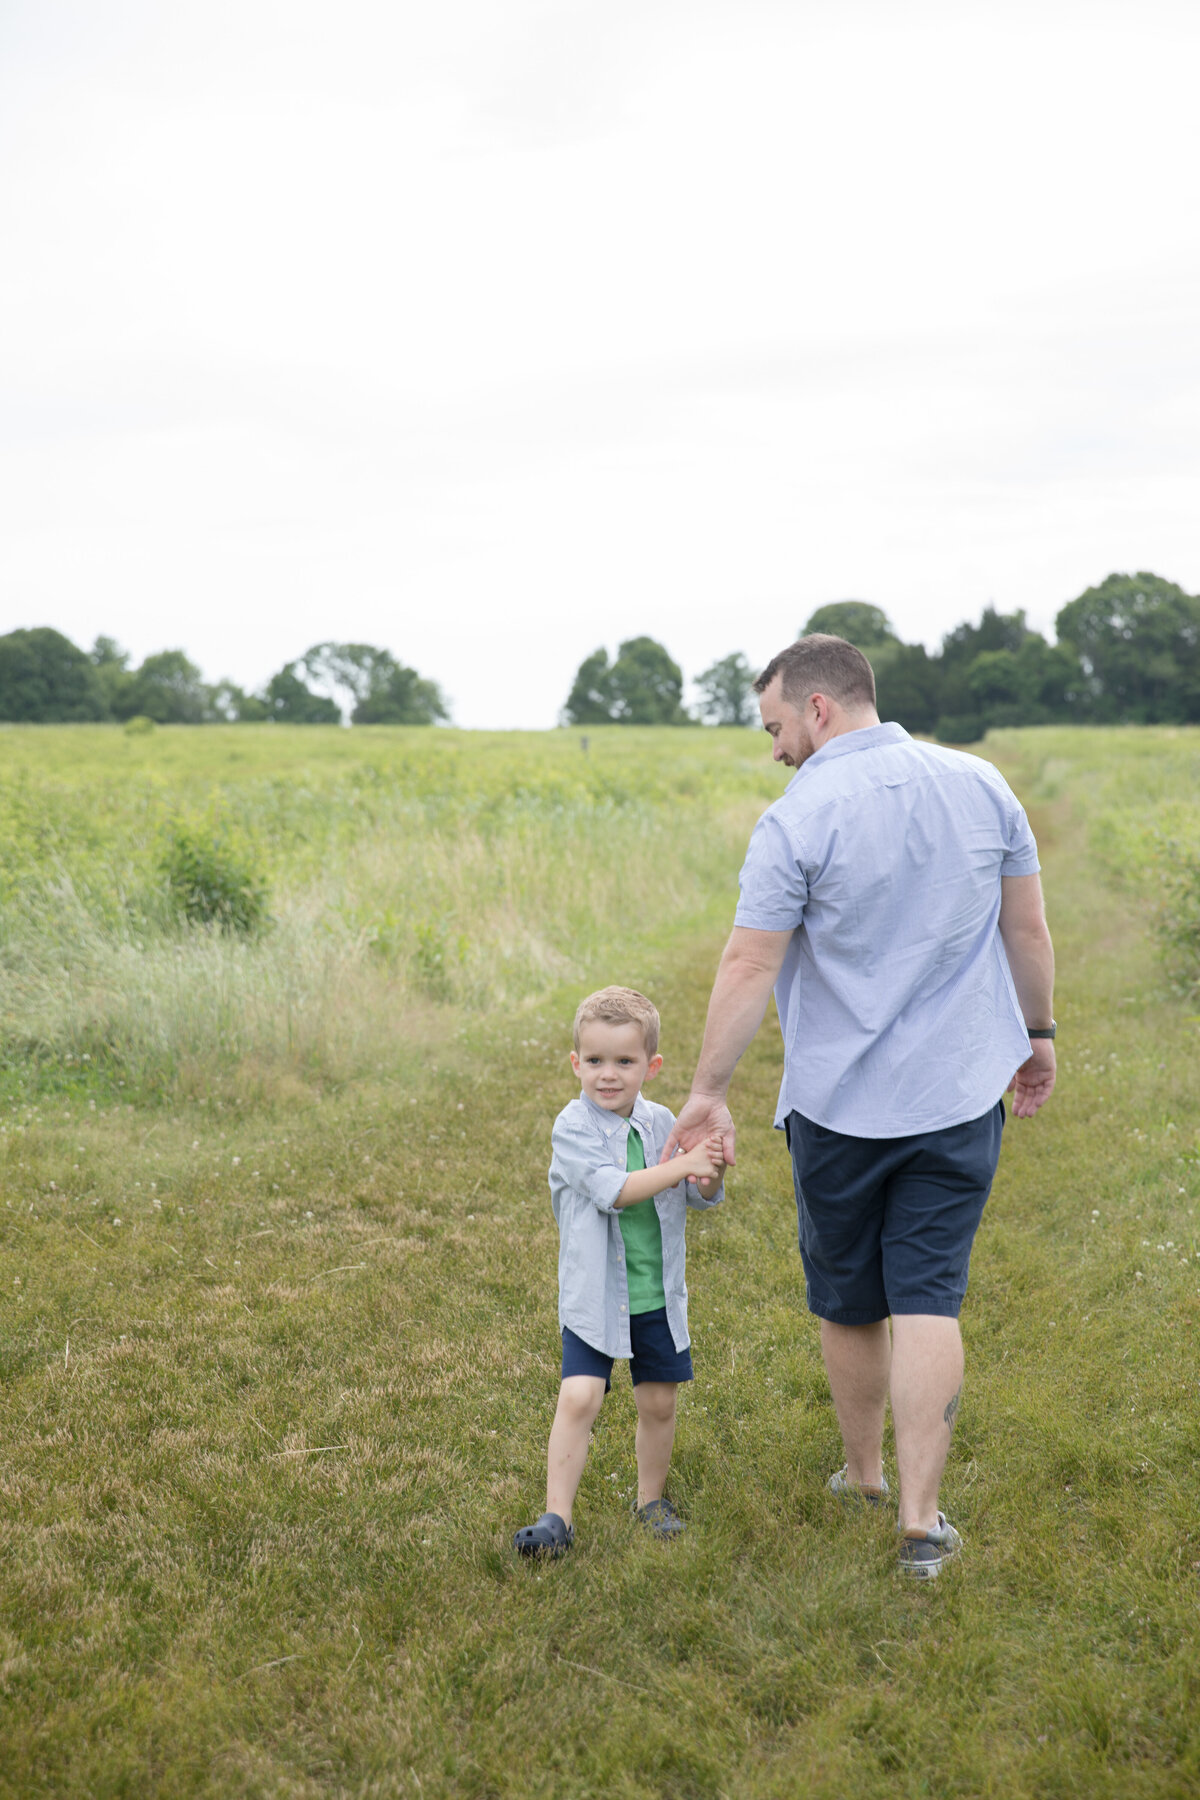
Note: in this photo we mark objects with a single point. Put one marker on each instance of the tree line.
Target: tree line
(46, 679)
(1128, 652)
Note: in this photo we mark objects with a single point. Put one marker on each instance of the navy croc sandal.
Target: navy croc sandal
(549, 1537)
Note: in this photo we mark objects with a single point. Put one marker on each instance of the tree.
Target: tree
(46, 678)
(957, 701)
(590, 701)
(232, 705)
(726, 692)
(995, 631)
(289, 701)
(647, 687)
(356, 667)
(399, 696)
(1030, 686)
(865, 626)
(168, 688)
(111, 664)
(1138, 641)
(908, 687)
(384, 691)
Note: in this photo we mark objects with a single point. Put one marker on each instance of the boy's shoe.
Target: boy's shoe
(922, 1553)
(853, 1493)
(550, 1536)
(660, 1518)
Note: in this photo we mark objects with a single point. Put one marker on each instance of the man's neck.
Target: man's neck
(841, 722)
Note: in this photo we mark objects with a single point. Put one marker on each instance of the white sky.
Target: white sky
(495, 330)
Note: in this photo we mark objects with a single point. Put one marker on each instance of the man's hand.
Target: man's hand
(1033, 1083)
(703, 1116)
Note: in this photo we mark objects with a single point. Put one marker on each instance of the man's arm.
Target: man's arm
(1030, 954)
(748, 971)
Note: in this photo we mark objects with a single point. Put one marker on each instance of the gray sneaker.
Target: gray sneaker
(922, 1553)
(853, 1493)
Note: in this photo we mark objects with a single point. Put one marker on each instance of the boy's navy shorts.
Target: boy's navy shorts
(654, 1356)
(887, 1224)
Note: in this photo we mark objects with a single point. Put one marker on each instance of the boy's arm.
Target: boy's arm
(643, 1184)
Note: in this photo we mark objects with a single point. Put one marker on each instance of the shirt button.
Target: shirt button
(622, 1309)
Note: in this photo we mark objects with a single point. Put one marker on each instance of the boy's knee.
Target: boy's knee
(656, 1400)
(580, 1397)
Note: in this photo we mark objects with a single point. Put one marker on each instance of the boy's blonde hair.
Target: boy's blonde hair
(620, 1006)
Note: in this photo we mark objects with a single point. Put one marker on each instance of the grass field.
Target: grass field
(277, 1312)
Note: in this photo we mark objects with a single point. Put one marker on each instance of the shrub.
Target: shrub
(210, 882)
(959, 728)
(1177, 920)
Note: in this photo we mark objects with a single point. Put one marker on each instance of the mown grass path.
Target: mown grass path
(277, 1386)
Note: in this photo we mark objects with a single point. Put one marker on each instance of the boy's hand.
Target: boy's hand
(699, 1163)
(713, 1150)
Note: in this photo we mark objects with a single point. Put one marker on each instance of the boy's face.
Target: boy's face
(612, 1064)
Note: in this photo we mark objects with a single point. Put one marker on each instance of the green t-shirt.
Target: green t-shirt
(643, 1241)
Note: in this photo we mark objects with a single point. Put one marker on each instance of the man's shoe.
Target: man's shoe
(660, 1519)
(922, 1553)
(853, 1493)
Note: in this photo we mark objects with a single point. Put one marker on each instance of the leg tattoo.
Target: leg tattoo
(951, 1412)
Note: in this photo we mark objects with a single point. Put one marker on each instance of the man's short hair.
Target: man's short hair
(619, 1006)
(821, 664)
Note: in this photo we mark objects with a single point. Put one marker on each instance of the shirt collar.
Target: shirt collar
(867, 737)
(610, 1122)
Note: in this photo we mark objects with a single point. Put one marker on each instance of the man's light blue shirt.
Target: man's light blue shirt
(884, 858)
(587, 1173)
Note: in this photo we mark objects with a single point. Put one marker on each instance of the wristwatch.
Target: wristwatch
(1048, 1032)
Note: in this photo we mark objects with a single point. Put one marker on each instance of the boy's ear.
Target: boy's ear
(652, 1067)
(575, 1061)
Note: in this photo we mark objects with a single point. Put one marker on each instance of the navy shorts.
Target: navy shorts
(654, 1357)
(887, 1224)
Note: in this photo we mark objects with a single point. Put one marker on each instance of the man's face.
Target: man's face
(612, 1064)
(790, 732)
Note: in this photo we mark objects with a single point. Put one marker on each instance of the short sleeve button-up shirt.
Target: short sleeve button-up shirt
(884, 858)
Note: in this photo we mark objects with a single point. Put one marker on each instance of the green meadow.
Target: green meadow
(277, 1302)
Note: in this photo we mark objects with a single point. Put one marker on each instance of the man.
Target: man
(891, 898)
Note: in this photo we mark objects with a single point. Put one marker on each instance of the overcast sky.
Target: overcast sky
(496, 330)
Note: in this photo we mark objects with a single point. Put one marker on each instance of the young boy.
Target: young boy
(620, 1217)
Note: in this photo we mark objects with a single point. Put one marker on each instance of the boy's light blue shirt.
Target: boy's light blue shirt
(587, 1172)
(884, 858)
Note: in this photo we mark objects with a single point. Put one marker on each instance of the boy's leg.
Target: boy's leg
(579, 1401)
(655, 1436)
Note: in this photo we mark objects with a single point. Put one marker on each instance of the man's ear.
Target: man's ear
(652, 1067)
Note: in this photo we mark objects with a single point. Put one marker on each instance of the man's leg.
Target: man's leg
(655, 1436)
(579, 1401)
(857, 1359)
(927, 1373)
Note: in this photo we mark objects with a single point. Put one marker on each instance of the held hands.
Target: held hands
(1033, 1083)
(703, 1116)
(704, 1163)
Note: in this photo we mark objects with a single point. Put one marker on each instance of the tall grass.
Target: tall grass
(1138, 795)
(403, 871)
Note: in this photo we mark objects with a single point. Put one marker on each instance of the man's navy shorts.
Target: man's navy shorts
(887, 1224)
(654, 1356)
